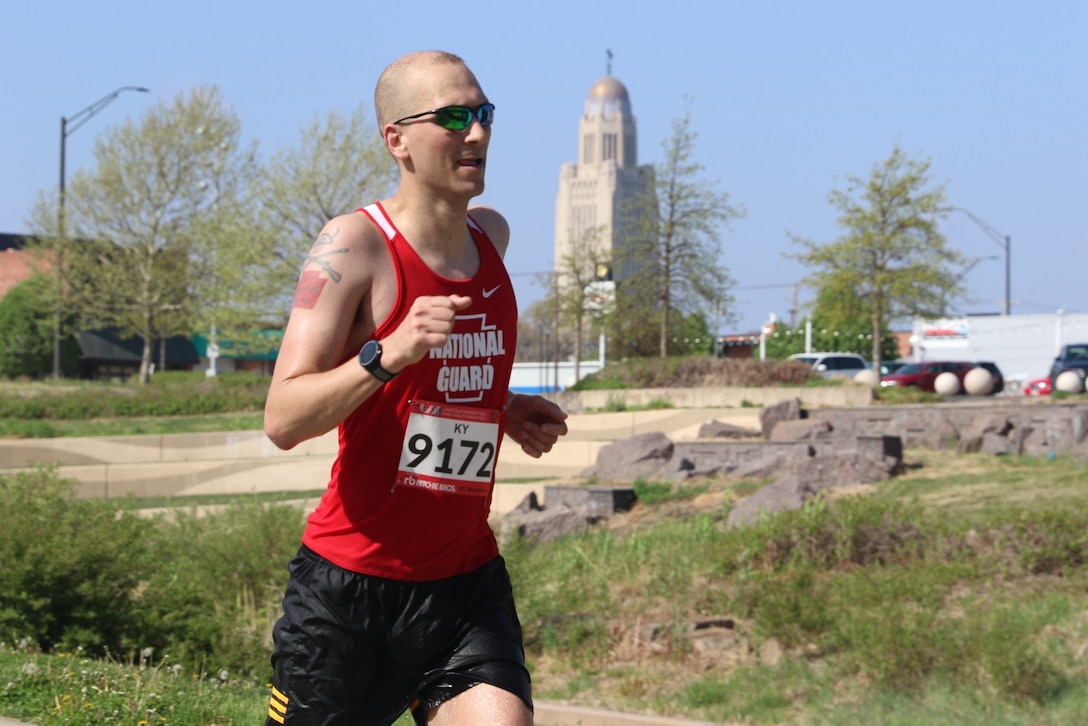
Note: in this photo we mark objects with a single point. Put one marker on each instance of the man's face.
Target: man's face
(450, 160)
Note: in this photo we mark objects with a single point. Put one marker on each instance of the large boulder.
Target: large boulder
(801, 429)
(719, 430)
(789, 492)
(769, 417)
(642, 455)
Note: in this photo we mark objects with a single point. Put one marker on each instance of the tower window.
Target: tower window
(609, 143)
(587, 149)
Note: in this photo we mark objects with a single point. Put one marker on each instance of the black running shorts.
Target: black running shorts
(354, 649)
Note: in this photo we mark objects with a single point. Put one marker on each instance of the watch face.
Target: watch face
(370, 353)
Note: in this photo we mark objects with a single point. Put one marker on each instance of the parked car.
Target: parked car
(1072, 357)
(833, 365)
(1037, 387)
(999, 380)
(923, 375)
(891, 366)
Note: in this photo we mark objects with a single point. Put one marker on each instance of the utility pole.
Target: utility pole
(1005, 241)
(77, 120)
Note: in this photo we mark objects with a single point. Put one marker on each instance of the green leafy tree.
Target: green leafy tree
(339, 164)
(892, 257)
(154, 235)
(839, 324)
(26, 330)
(580, 286)
(671, 262)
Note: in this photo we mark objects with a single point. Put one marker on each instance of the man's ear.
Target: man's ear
(395, 141)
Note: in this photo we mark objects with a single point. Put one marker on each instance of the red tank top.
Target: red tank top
(411, 486)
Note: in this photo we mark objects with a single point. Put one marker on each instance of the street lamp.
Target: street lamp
(79, 118)
(1006, 242)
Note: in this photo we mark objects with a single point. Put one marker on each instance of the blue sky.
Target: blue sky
(788, 99)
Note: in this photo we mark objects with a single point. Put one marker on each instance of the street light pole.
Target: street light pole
(80, 117)
(1005, 241)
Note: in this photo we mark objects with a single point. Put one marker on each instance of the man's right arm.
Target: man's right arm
(313, 387)
(318, 381)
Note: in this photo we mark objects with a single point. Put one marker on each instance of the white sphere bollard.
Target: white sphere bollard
(1069, 382)
(867, 378)
(979, 382)
(947, 384)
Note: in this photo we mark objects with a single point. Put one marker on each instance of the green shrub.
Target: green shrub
(80, 574)
(71, 567)
(171, 393)
(217, 583)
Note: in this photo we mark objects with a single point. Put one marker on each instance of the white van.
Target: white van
(833, 365)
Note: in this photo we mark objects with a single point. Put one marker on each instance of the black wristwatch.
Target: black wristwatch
(370, 358)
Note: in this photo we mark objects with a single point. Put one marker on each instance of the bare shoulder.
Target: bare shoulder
(346, 234)
(341, 262)
(494, 224)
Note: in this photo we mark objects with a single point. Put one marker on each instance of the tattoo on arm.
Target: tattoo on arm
(310, 283)
(321, 250)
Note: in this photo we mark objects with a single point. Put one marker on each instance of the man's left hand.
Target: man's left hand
(535, 423)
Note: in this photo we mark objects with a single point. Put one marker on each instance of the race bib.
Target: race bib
(449, 449)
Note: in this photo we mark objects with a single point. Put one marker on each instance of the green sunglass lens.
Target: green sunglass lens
(455, 118)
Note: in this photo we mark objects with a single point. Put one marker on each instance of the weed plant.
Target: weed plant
(70, 689)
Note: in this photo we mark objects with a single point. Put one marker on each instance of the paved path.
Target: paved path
(555, 714)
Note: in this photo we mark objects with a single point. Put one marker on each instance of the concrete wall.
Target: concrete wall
(247, 462)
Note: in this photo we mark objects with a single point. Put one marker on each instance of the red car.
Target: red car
(922, 375)
(1037, 387)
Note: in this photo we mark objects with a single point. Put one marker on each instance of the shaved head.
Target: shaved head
(402, 84)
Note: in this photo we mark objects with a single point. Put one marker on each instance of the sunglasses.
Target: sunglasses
(457, 118)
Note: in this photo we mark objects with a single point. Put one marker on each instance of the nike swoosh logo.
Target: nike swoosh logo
(492, 291)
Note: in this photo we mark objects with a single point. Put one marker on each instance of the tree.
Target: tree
(26, 330)
(892, 257)
(580, 287)
(337, 166)
(671, 262)
(160, 222)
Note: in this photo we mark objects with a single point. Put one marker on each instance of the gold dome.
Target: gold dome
(609, 88)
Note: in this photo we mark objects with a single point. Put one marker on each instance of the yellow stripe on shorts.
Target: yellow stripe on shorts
(277, 706)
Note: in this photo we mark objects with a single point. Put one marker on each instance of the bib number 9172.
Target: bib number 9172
(449, 448)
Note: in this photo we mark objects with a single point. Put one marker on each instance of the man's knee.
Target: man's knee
(483, 703)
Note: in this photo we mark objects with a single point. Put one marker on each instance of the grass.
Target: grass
(955, 593)
(63, 428)
(69, 689)
(913, 601)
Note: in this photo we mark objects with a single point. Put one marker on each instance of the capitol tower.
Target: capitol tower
(599, 191)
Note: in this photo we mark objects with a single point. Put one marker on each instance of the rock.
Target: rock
(783, 411)
(786, 494)
(641, 455)
(801, 430)
(719, 430)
